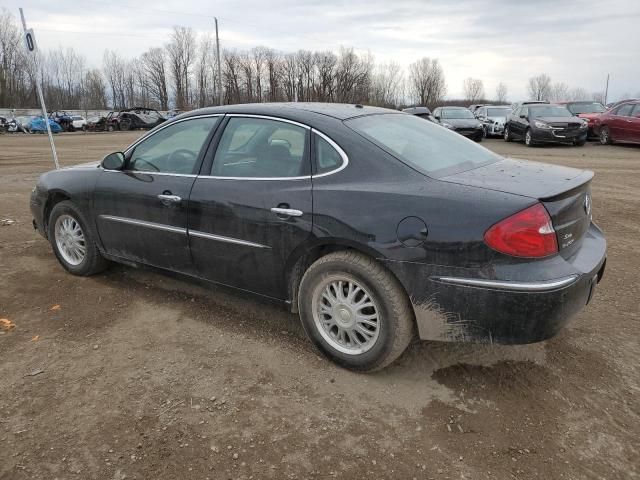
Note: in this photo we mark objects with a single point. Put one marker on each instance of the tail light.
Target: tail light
(528, 233)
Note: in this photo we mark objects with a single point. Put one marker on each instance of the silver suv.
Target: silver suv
(493, 118)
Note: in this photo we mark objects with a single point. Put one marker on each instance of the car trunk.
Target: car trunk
(565, 192)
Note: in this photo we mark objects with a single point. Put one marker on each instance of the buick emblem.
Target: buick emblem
(587, 204)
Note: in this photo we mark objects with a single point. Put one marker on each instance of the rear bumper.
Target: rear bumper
(461, 307)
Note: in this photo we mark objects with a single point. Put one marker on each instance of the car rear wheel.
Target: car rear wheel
(72, 242)
(507, 134)
(125, 125)
(354, 311)
(605, 136)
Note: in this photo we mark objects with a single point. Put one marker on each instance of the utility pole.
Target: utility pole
(30, 42)
(219, 69)
(606, 91)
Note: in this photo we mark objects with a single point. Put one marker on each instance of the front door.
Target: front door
(619, 120)
(141, 211)
(253, 209)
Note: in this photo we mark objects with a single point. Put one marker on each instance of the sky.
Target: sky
(573, 41)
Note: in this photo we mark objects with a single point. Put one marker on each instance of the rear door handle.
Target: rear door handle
(166, 199)
(287, 212)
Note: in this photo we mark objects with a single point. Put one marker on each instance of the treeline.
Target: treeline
(183, 74)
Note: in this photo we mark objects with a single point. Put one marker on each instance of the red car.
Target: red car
(586, 109)
(619, 124)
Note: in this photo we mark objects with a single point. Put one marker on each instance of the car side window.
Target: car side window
(174, 149)
(624, 110)
(636, 111)
(524, 111)
(262, 148)
(481, 112)
(327, 157)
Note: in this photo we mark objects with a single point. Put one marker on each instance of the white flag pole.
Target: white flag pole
(30, 42)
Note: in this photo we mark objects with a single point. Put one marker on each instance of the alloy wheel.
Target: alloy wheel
(346, 315)
(70, 240)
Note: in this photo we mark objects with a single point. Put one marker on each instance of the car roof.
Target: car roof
(340, 111)
(455, 108)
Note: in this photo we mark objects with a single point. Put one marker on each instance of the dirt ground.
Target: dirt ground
(136, 374)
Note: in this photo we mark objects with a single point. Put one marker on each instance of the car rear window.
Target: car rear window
(429, 148)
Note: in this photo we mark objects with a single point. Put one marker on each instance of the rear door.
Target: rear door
(141, 211)
(251, 207)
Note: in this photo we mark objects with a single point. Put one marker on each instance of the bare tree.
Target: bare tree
(577, 93)
(599, 97)
(558, 92)
(155, 73)
(273, 62)
(231, 75)
(94, 94)
(501, 93)
(182, 52)
(114, 68)
(386, 85)
(326, 63)
(473, 89)
(426, 81)
(539, 87)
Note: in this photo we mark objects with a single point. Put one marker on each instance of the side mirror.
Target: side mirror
(523, 116)
(113, 161)
(437, 117)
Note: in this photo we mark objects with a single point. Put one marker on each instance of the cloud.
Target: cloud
(494, 40)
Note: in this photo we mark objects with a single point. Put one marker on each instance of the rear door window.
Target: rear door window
(625, 110)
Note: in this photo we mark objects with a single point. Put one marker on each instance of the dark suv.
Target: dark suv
(545, 123)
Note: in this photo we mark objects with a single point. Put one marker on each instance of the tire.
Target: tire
(478, 138)
(580, 143)
(528, 138)
(92, 261)
(605, 136)
(507, 134)
(485, 133)
(389, 304)
(84, 128)
(125, 125)
(110, 128)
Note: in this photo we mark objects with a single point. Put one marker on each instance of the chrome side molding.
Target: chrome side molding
(508, 285)
(143, 223)
(220, 238)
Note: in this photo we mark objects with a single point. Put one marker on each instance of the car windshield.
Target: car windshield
(577, 108)
(456, 113)
(549, 111)
(498, 112)
(425, 146)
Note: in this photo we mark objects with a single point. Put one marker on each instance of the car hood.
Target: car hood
(522, 177)
(589, 116)
(558, 119)
(461, 122)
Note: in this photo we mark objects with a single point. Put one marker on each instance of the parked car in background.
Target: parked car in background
(517, 105)
(422, 112)
(536, 124)
(493, 118)
(4, 125)
(63, 119)
(473, 107)
(587, 110)
(387, 228)
(134, 118)
(37, 125)
(97, 123)
(619, 124)
(79, 122)
(18, 124)
(459, 120)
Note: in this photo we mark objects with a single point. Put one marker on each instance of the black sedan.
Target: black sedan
(374, 225)
(545, 123)
(460, 120)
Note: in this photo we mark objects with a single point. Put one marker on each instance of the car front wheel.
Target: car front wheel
(507, 134)
(354, 311)
(528, 138)
(72, 242)
(605, 136)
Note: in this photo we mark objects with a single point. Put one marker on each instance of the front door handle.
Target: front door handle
(286, 212)
(168, 199)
